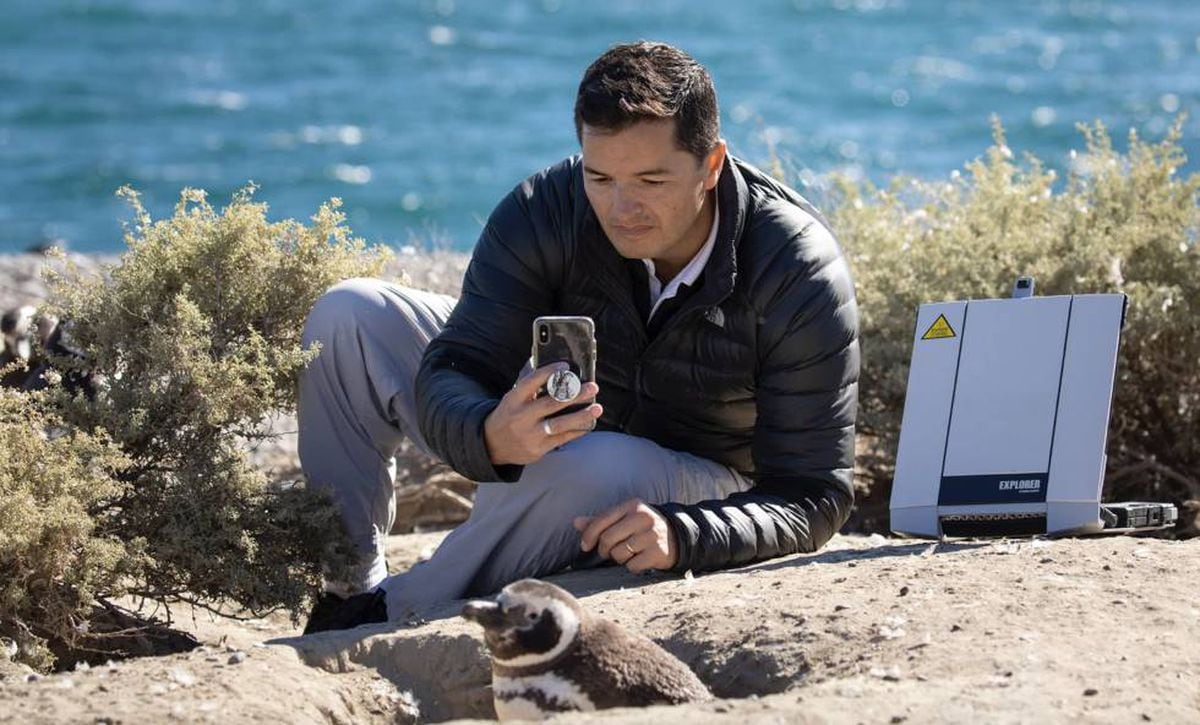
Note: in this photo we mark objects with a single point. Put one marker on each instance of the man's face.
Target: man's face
(647, 192)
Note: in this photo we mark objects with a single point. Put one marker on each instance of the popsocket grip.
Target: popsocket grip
(563, 385)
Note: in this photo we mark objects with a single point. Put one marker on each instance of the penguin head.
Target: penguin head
(17, 325)
(530, 623)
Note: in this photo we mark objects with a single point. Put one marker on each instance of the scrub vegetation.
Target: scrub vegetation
(144, 488)
(1121, 221)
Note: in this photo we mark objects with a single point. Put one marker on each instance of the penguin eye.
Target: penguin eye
(534, 615)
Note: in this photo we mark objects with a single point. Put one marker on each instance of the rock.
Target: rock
(442, 501)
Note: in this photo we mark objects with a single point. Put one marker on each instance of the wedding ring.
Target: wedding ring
(630, 548)
(546, 427)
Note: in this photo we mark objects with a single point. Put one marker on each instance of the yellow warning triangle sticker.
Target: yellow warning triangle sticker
(939, 329)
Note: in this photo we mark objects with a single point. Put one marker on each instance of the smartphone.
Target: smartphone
(570, 339)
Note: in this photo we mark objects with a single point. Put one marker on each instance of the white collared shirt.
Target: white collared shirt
(688, 275)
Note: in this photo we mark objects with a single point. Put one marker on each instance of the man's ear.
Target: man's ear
(714, 163)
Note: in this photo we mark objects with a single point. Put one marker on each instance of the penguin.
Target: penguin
(550, 656)
(17, 326)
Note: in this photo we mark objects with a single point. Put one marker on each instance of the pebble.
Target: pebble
(182, 677)
(237, 658)
(1090, 692)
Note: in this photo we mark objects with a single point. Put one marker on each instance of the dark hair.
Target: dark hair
(645, 81)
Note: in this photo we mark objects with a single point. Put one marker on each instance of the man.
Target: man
(726, 327)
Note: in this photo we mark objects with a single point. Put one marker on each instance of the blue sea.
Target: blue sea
(421, 115)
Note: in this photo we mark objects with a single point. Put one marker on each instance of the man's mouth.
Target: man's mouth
(635, 230)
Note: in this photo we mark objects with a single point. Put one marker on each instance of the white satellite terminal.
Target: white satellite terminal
(1006, 417)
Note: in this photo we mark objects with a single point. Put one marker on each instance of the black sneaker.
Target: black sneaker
(334, 612)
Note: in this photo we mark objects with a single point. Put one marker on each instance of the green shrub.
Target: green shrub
(1120, 222)
(57, 548)
(192, 341)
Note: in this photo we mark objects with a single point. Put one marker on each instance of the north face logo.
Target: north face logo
(716, 316)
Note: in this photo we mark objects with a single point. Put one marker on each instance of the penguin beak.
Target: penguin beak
(484, 612)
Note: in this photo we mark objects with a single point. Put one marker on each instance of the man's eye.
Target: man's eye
(654, 182)
(599, 180)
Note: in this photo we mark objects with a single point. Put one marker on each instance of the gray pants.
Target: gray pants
(357, 405)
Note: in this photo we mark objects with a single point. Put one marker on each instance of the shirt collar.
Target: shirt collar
(690, 272)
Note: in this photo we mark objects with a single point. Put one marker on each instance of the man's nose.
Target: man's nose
(626, 202)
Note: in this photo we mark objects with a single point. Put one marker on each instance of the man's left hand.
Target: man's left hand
(632, 534)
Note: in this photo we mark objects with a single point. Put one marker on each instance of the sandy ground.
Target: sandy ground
(871, 630)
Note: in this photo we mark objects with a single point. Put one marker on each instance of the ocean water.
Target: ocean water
(421, 115)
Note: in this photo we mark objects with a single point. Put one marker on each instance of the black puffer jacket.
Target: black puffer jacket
(757, 370)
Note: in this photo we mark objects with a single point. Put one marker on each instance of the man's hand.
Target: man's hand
(632, 534)
(520, 431)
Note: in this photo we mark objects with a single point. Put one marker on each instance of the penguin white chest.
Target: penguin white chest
(537, 697)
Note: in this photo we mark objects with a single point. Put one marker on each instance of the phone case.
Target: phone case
(566, 338)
